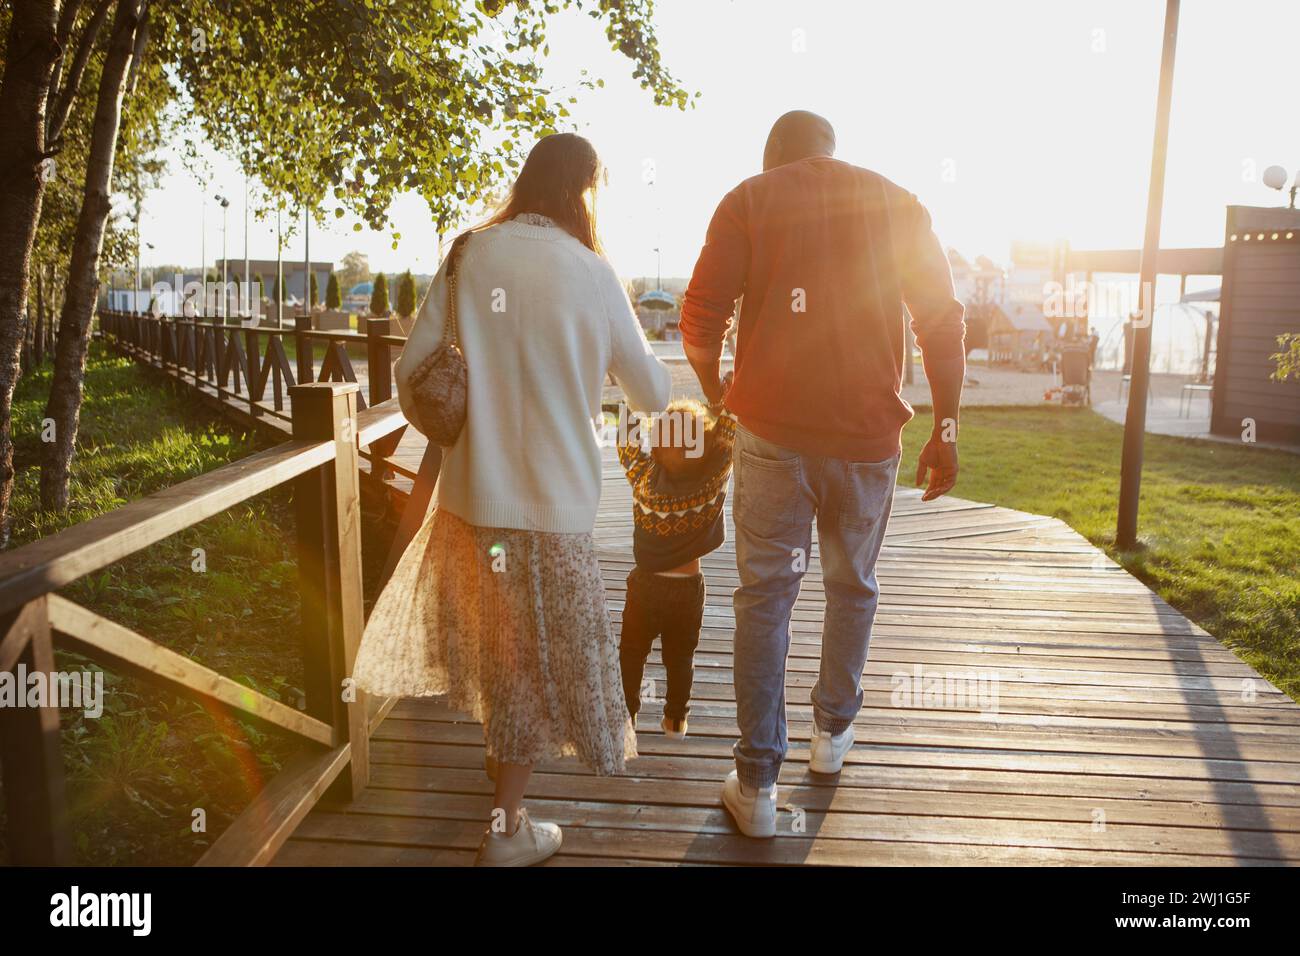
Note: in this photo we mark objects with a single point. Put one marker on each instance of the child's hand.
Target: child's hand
(726, 390)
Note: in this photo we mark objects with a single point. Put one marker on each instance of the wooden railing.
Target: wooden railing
(248, 372)
(329, 429)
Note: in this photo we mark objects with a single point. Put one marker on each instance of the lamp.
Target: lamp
(1275, 178)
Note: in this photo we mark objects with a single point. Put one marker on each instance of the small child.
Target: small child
(677, 490)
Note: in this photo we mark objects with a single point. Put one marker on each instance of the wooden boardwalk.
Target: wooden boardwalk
(1121, 733)
(1106, 727)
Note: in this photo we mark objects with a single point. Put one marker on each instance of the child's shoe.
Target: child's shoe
(530, 843)
(674, 729)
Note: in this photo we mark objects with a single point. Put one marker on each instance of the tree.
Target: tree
(356, 269)
(459, 87)
(313, 290)
(1287, 359)
(379, 296)
(406, 295)
(37, 37)
(128, 34)
(332, 298)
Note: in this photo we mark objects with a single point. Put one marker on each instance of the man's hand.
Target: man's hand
(939, 458)
(707, 363)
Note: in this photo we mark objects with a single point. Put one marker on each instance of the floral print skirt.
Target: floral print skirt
(511, 626)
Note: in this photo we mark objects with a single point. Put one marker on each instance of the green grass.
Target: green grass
(136, 774)
(1219, 526)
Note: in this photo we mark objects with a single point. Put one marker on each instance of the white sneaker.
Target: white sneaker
(755, 813)
(827, 752)
(531, 843)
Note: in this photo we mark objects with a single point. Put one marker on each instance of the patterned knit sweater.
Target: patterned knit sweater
(678, 519)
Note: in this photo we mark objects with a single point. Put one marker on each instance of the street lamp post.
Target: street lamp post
(149, 246)
(203, 259)
(279, 271)
(225, 263)
(135, 301)
(247, 297)
(306, 236)
(1135, 421)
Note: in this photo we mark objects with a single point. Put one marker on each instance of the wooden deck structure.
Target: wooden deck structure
(1123, 734)
(1107, 728)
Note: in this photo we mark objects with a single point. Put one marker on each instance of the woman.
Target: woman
(498, 601)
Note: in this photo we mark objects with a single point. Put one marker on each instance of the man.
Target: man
(825, 255)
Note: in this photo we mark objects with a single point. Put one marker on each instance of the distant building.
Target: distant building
(295, 287)
(1019, 334)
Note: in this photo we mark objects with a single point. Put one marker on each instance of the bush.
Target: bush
(406, 295)
(379, 297)
(332, 298)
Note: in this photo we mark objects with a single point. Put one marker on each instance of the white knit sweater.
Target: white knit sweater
(542, 320)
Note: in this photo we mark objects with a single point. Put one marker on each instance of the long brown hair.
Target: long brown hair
(558, 181)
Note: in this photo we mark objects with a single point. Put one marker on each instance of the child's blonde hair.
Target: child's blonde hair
(670, 450)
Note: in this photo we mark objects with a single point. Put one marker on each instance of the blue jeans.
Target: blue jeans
(778, 494)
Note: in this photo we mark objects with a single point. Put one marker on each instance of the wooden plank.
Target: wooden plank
(125, 651)
(258, 833)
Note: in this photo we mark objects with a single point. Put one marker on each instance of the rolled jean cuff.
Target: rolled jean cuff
(829, 722)
(834, 726)
(756, 776)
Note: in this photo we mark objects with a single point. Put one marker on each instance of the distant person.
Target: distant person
(826, 254)
(498, 601)
(1094, 340)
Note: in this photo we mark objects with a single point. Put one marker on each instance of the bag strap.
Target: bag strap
(453, 260)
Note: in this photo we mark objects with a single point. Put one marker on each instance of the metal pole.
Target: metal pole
(203, 256)
(306, 265)
(1130, 482)
(279, 272)
(225, 262)
(247, 297)
(135, 302)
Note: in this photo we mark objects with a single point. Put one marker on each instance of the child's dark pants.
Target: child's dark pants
(671, 609)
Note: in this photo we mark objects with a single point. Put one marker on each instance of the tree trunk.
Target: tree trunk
(30, 54)
(64, 403)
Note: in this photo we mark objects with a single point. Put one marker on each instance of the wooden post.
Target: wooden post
(253, 359)
(379, 360)
(302, 344)
(1135, 420)
(379, 373)
(29, 747)
(327, 505)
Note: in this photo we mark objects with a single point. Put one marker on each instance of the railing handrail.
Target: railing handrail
(216, 321)
(55, 561)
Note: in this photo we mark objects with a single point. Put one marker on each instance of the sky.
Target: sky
(1010, 119)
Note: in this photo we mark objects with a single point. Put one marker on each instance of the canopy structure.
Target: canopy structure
(1205, 295)
(658, 299)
